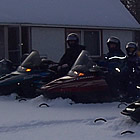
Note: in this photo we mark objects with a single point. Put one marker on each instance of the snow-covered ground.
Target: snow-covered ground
(62, 120)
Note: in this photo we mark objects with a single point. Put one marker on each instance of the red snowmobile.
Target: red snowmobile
(85, 83)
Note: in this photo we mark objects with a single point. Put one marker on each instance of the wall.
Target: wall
(124, 36)
(49, 41)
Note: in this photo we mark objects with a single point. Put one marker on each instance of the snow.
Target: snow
(62, 120)
(87, 13)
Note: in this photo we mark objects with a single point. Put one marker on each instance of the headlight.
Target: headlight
(75, 72)
(79, 74)
(28, 70)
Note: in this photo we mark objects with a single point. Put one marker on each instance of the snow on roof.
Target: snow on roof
(90, 13)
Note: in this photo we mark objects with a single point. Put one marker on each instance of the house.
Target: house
(44, 24)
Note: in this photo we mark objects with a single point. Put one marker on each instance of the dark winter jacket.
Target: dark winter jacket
(71, 55)
(136, 65)
(118, 53)
(112, 59)
(131, 62)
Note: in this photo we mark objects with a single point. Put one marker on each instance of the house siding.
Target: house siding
(49, 41)
(124, 36)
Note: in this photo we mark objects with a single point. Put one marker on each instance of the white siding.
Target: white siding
(124, 36)
(50, 41)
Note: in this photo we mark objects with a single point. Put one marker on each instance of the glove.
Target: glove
(62, 67)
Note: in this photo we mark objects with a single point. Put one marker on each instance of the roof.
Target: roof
(85, 13)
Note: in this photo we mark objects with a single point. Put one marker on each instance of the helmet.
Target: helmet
(131, 48)
(72, 39)
(113, 40)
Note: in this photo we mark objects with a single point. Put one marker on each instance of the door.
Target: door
(14, 47)
(18, 43)
(2, 43)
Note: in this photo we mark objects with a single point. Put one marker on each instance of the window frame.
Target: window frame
(81, 37)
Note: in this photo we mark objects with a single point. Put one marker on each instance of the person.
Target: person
(114, 48)
(114, 55)
(137, 62)
(131, 49)
(113, 61)
(72, 52)
(129, 72)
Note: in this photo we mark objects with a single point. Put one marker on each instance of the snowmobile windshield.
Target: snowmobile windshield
(83, 65)
(4, 67)
(33, 60)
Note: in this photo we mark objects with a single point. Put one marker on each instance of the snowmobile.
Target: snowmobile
(133, 111)
(29, 76)
(84, 83)
(6, 66)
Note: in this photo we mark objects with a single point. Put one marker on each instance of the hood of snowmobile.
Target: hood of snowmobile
(11, 78)
(131, 108)
(84, 89)
(68, 83)
(133, 111)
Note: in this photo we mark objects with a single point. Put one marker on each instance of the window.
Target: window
(89, 38)
(92, 42)
(2, 49)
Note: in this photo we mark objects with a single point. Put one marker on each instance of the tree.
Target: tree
(134, 8)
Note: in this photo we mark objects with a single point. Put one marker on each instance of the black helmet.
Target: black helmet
(131, 48)
(72, 39)
(113, 40)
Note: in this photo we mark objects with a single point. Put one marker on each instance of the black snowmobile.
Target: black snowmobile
(6, 66)
(133, 111)
(30, 75)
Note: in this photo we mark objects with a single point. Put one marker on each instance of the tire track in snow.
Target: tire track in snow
(36, 124)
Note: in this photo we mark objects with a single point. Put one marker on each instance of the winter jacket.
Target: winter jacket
(71, 55)
(68, 59)
(112, 59)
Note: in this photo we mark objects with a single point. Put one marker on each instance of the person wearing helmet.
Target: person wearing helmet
(72, 52)
(114, 61)
(114, 56)
(114, 48)
(130, 71)
(131, 48)
(137, 62)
